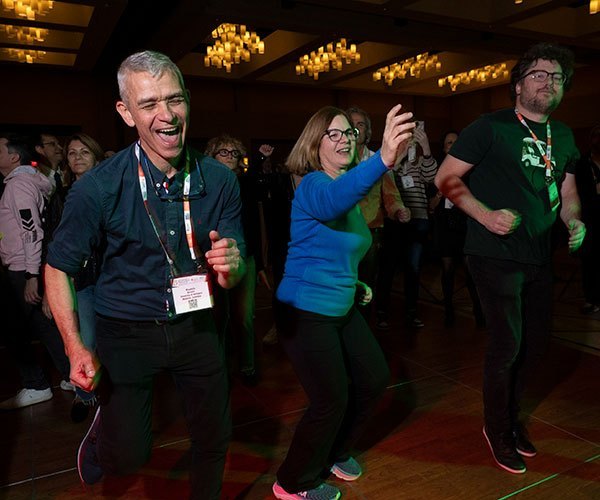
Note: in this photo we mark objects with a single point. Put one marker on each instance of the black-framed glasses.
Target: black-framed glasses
(54, 144)
(335, 134)
(541, 76)
(234, 153)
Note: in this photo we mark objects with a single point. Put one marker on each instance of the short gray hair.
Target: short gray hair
(147, 61)
(367, 119)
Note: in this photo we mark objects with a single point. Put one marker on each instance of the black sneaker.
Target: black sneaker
(80, 409)
(504, 452)
(590, 309)
(414, 322)
(249, 377)
(523, 445)
(88, 466)
(382, 321)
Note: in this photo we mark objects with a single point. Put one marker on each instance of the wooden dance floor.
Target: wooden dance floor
(424, 442)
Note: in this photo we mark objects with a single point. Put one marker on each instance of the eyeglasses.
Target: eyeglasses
(335, 134)
(54, 144)
(541, 76)
(234, 153)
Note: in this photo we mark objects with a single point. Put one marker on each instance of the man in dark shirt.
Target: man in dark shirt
(521, 169)
(171, 220)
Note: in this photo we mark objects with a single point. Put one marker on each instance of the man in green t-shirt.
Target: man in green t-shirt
(521, 176)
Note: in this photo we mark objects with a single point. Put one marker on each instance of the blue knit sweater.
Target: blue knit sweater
(329, 237)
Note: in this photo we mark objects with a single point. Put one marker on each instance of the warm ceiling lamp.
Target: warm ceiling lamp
(25, 56)
(234, 43)
(325, 58)
(26, 35)
(28, 8)
(594, 5)
(493, 71)
(409, 67)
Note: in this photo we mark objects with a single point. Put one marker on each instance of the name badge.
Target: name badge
(553, 195)
(407, 181)
(191, 293)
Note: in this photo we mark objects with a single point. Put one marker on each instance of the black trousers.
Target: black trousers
(403, 245)
(369, 268)
(517, 303)
(344, 373)
(131, 354)
(32, 324)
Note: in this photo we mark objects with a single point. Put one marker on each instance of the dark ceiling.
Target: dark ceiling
(95, 35)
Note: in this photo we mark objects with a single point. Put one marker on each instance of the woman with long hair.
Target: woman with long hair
(336, 357)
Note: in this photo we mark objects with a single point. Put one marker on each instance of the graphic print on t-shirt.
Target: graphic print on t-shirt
(531, 155)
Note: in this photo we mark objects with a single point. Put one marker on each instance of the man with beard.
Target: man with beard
(170, 220)
(521, 170)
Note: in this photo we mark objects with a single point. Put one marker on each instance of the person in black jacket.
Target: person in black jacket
(587, 175)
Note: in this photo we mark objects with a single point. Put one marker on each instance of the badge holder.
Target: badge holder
(553, 197)
(407, 181)
(192, 293)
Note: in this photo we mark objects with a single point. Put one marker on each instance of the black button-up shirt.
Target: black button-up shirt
(106, 203)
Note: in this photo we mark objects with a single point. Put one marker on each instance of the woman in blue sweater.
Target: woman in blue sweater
(337, 359)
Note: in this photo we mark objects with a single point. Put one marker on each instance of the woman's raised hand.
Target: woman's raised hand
(397, 135)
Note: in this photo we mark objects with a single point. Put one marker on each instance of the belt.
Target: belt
(150, 322)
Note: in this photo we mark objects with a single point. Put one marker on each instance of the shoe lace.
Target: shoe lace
(90, 402)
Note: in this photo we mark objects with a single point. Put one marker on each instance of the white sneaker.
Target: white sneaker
(26, 397)
(65, 385)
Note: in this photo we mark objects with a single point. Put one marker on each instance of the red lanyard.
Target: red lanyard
(547, 155)
(189, 231)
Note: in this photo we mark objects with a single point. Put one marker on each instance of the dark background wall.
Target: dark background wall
(64, 102)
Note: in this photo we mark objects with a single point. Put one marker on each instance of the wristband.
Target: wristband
(28, 276)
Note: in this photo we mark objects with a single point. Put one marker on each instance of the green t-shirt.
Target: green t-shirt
(509, 172)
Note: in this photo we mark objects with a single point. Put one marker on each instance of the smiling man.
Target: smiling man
(521, 170)
(170, 220)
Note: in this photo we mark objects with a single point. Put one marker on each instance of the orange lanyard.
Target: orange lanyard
(189, 231)
(547, 156)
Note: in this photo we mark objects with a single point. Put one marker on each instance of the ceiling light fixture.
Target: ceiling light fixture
(26, 35)
(28, 8)
(493, 71)
(327, 57)
(594, 5)
(409, 67)
(25, 55)
(234, 44)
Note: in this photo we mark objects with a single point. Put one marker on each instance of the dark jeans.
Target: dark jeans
(590, 264)
(234, 316)
(33, 324)
(449, 265)
(369, 267)
(402, 246)
(131, 354)
(86, 300)
(517, 304)
(344, 373)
